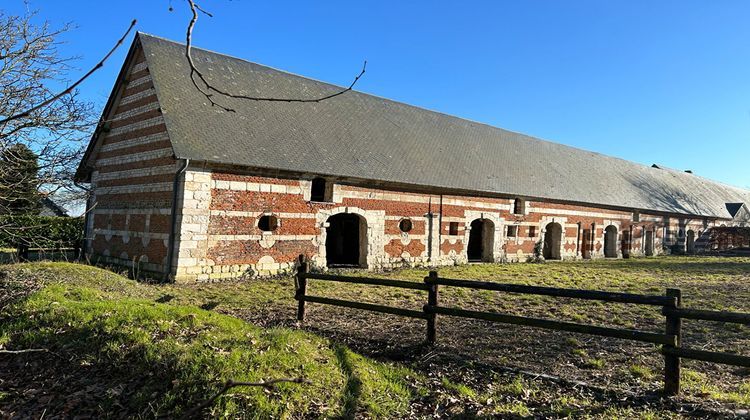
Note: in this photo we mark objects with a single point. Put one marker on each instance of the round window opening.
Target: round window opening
(268, 223)
(405, 225)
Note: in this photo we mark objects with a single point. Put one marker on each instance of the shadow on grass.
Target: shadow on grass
(353, 386)
(83, 375)
(209, 306)
(164, 299)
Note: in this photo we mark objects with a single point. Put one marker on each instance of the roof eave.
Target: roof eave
(83, 172)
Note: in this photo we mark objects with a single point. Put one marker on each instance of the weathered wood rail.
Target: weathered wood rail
(671, 303)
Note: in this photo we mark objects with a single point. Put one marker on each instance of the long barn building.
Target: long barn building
(187, 191)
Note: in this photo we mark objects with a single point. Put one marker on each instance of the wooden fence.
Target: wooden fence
(670, 302)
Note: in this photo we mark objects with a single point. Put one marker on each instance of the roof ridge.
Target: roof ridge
(442, 113)
(693, 174)
(362, 135)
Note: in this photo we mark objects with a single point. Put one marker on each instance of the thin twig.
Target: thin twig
(231, 384)
(196, 75)
(72, 87)
(24, 351)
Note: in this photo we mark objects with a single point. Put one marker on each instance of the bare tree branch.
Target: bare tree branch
(22, 351)
(231, 384)
(207, 88)
(72, 87)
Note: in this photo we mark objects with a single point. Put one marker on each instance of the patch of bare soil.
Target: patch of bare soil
(39, 383)
(15, 288)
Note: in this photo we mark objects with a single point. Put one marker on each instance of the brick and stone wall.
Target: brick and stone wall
(220, 237)
(130, 207)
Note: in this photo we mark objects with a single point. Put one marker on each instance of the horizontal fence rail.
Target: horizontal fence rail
(557, 292)
(670, 340)
(720, 316)
(367, 307)
(366, 280)
(709, 356)
(634, 335)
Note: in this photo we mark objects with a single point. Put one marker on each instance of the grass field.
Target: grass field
(376, 365)
(117, 348)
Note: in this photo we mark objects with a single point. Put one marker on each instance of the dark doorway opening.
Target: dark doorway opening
(625, 244)
(610, 242)
(552, 241)
(690, 246)
(345, 241)
(481, 241)
(586, 248)
(649, 243)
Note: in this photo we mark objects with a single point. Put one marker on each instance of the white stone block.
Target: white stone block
(237, 186)
(188, 244)
(190, 203)
(202, 177)
(202, 195)
(187, 262)
(191, 228)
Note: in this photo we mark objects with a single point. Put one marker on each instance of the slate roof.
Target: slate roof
(50, 208)
(367, 137)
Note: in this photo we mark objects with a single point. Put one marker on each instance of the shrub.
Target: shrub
(40, 231)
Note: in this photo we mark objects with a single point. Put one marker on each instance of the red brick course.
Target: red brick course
(395, 248)
(249, 252)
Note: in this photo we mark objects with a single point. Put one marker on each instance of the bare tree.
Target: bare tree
(30, 65)
(41, 112)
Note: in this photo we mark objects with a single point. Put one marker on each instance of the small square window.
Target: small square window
(321, 191)
(636, 216)
(532, 231)
(519, 207)
(453, 228)
(512, 231)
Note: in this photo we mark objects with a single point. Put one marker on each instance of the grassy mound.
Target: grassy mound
(114, 347)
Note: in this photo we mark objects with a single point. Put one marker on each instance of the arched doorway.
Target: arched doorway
(552, 241)
(610, 242)
(481, 241)
(346, 241)
(690, 244)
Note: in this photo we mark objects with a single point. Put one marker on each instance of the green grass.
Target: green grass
(641, 372)
(182, 353)
(128, 327)
(706, 283)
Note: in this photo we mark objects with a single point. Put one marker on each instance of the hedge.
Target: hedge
(40, 231)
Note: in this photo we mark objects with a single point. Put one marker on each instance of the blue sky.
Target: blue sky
(650, 81)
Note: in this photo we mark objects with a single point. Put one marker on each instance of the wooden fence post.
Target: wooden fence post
(432, 300)
(672, 362)
(301, 288)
